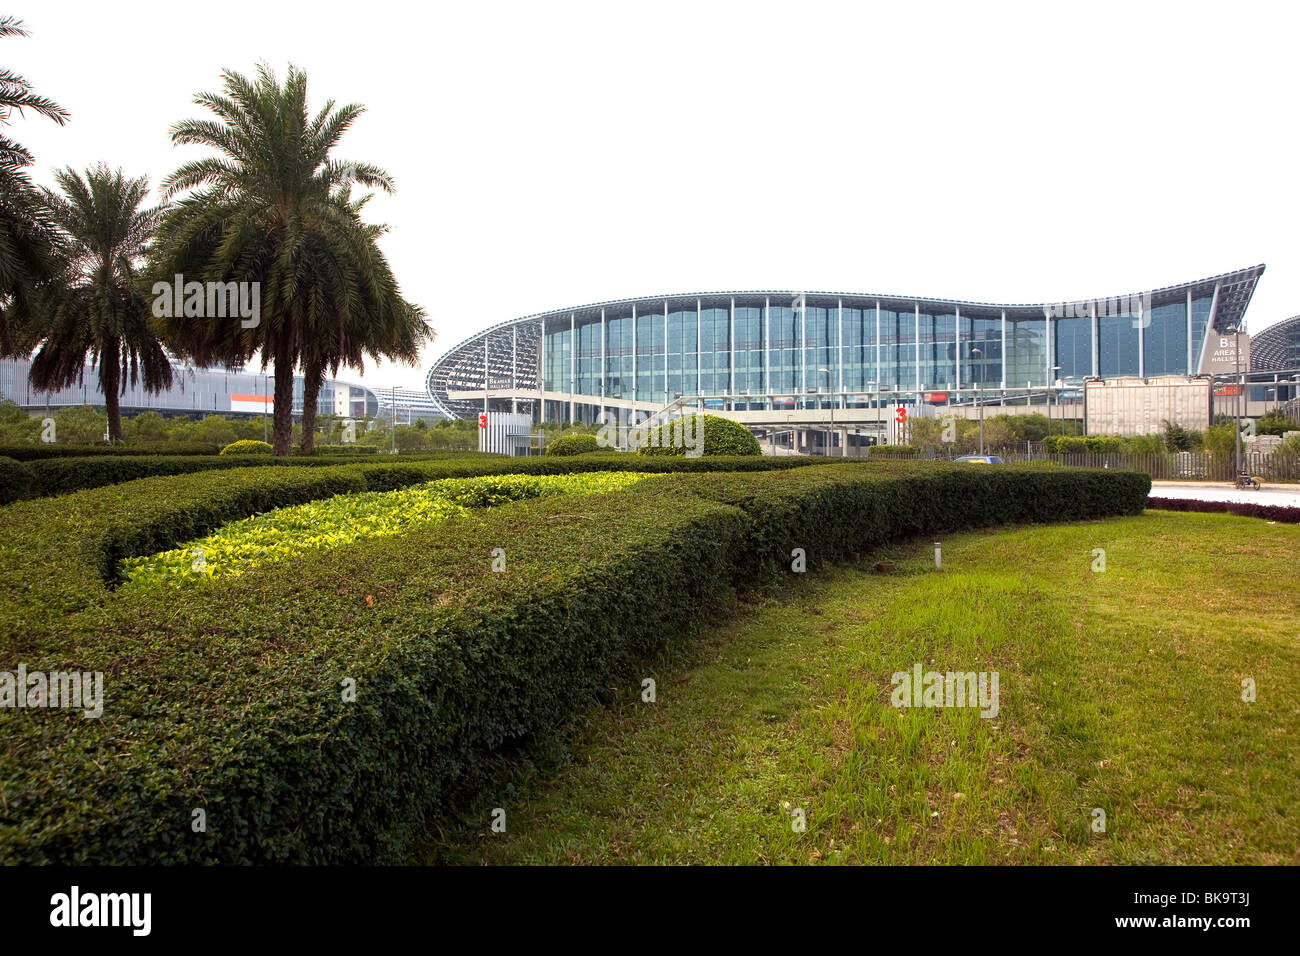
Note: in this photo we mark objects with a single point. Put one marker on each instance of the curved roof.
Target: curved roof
(1268, 349)
(509, 350)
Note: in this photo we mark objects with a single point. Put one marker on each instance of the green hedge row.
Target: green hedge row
(60, 476)
(229, 698)
(61, 554)
(35, 452)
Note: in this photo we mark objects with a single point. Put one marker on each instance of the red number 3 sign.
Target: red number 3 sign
(902, 414)
(482, 421)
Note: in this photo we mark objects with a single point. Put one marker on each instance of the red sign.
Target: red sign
(1228, 390)
(482, 420)
(935, 397)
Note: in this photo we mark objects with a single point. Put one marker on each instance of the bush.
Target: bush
(16, 481)
(721, 436)
(573, 445)
(231, 700)
(247, 446)
(1247, 509)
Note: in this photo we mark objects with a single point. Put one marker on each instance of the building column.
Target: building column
(731, 355)
(916, 337)
(636, 347)
(1047, 339)
(485, 380)
(668, 398)
(698, 308)
(1142, 340)
(767, 353)
(880, 368)
(1096, 339)
(839, 398)
(514, 369)
(602, 366)
(1004, 352)
(573, 360)
(1190, 346)
(1209, 325)
(802, 400)
(541, 371)
(957, 338)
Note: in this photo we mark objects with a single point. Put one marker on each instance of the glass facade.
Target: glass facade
(1117, 344)
(1026, 351)
(650, 358)
(937, 348)
(1164, 346)
(981, 351)
(618, 355)
(1073, 347)
(784, 345)
(683, 356)
(749, 354)
(757, 351)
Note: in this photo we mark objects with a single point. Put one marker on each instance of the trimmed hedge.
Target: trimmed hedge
(62, 476)
(49, 545)
(573, 445)
(1247, 509)
(35, 452)
(232, 701)
(722, 436)
(16, 481)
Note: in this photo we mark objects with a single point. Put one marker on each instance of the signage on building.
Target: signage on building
(252, 403)
(1220, 356)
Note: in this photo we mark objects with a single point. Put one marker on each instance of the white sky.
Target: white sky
(553, 154)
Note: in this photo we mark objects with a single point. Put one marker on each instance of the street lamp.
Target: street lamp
(1236, 399)
(1050, 386)
(830, 437)
(979, 353)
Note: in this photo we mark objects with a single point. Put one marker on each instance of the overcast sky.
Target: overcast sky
(550, 154)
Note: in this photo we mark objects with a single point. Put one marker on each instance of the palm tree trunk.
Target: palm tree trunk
(282, 440)
(110, 377)
(312, 376)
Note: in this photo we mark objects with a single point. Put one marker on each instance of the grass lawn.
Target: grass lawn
(1119, 690)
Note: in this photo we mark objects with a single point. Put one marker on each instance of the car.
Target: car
(980, 459)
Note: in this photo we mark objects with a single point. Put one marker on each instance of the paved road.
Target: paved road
(1286, 495)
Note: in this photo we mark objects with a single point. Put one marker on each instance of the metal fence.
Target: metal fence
(1187, 464)
(1270, 466)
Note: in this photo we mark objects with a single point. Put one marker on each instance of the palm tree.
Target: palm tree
(29, 245)
(100, 310)
(375, 321)
(267, 211)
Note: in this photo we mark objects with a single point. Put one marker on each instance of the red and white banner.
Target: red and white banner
(252, 403)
